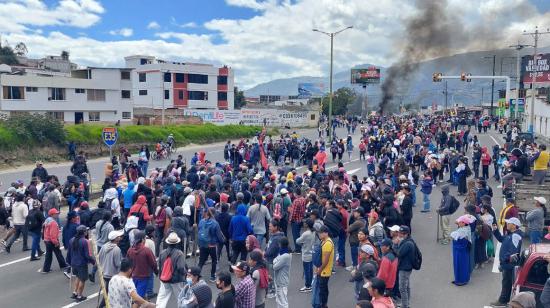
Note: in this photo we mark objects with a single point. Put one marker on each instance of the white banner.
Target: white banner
(273, 117)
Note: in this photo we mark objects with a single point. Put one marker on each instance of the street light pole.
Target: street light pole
(518, 48)
(536, 35)
(329, 116)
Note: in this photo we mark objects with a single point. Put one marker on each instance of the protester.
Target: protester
(281, 269)
(195, 293)
(226, 297)
(245, 291)
(405, 254)
(324, 271)
(239, 229)
(462, 243)
(33, 223)
(51, 240)
(210, 236)
(144, 263)
(122, 291)
(171, 277)
(78, 256)
(535, 220)
(110, 259)
(260, 276)
(306, 241)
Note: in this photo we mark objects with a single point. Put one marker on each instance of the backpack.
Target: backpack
(141, 220)
(124, 243)
(204, 236)
(468, 171)
(160, 220)
(167, 269)
(277, 211)
(417, 257)
(455, 204)
(44, 199)
(486, 232)
(97, 215)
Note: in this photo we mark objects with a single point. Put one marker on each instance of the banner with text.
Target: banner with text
(540, 71)
(270, 117)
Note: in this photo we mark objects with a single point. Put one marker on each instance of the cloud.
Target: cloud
(189, 25)
(278, 42)
(153, 25)
(17, 16)
(126, 32)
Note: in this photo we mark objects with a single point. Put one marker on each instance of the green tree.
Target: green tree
(239, 98)
(21, 49)
(341, 100)
(7, 56)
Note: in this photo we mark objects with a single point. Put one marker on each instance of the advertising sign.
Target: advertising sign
(369, 75)
(110, 136)
(309, 90)
(542, 69)
(272, 117)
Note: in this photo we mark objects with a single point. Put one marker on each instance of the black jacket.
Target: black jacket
(333, 220)
(405, 254)
(34, 221)
(406, 208)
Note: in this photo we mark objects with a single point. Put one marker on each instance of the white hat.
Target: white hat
(514, 221)
(114, 234)
(172, 238)
(257, 177)
(540, 200)
(284, 191)
(367, 249)
(394, 228)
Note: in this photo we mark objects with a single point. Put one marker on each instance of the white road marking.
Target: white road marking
(91, 296)
(217, 151)
(494, 140)
(14, 261)
(353, 171)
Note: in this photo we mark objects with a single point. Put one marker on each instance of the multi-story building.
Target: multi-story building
(164, 84)
(91, 94)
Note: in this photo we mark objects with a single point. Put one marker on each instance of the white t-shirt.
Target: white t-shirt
(187, 204)
(120, 288)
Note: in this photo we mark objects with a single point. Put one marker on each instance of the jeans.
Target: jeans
(150, 284)
(141, 285)
(342, 248)
(323, 290)
(204, 252)
(507, 280)
(405, 288)
(354, 251)
(220, 250)
(535, 236)
(281, 296)
(35, 247)
(485, 171)
(426, 202)
(413, 194)
(308, 273)
(51, 248)
(239, 247)
(143, 165)
(260, 238)
(296, 227)
(19, 230)
(166, 291)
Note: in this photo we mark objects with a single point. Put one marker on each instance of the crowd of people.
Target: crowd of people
(257, 210)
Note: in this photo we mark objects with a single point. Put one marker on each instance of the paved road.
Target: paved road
(23, 287)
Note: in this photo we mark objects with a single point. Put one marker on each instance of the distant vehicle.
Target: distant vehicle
(532, 273)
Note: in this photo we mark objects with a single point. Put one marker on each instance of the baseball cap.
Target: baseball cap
(240, 266)
(404, 229)
(194, 270)
(52, 212)
(385, 242)
(114, 234)
(284, 191)
(367, 249)
(540, 200)
(394, 228)
(514, 221)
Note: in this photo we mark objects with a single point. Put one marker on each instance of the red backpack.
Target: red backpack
(277, 211)
(167, 270)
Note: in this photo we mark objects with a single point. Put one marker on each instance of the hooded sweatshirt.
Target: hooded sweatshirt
(382, 302)
(240, 227)
(109, 259)
(140, 206)
(281, 268)
(144, 261)
(51, 231)
(128, 195)
(253, 243)
(180, 223)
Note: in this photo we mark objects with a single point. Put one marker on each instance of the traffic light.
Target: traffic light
(436, 77)
(463, 77)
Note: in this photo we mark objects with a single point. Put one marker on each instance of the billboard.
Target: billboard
(369, 75)
(308, 90)
(542, 68)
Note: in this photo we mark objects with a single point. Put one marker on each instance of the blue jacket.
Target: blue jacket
(128, 195)
(79, 256)
(213, 234)
(272, 249)
(240, 226)
(511, 245)
(426, 186)
(69, 231)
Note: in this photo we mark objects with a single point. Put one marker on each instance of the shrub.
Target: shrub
(31, 129)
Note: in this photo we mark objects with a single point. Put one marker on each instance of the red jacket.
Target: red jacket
(144, 261)
(141, 206)
(345, 216)
(51, 231)
(388, 269)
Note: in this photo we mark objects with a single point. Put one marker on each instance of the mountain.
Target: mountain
(420, 88)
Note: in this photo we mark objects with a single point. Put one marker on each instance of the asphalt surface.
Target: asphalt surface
(23, 286)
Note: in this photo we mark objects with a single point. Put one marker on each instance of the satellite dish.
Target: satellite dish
(4, 68)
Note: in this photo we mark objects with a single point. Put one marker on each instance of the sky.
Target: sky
(261, 40)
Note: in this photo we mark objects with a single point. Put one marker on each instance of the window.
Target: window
(197, 95)
(96, 95)
(125, 94)
(143, 61)
(142, 77)
(222, 96)
(79, 91)
(93, 116)
(180, 94)
(125, 75)
(197, 78)
(57, 115)
(126, 115)
(167, 77)
(57, 94)
(222, 79)
(166, 94)
(180, 77)
(538, 273)
(31, 89)
(142, 92)
(312, 117)
(13, 93)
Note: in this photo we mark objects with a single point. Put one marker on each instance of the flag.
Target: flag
(263, 159)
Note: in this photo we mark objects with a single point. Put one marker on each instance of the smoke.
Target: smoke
(436, 31)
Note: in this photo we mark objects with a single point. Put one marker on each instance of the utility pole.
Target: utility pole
(481, 103)
(493, 85)
(446, 92)
(536, 35)
(331, 35)
(518, 48)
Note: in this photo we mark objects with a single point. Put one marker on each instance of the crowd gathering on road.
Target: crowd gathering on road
(276, 198)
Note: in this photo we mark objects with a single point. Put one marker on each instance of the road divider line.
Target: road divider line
(14, 261)
(91, 296)
(353, 171)
(494, 140)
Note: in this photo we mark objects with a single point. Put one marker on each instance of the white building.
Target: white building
(83, 95)
(164, 84)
